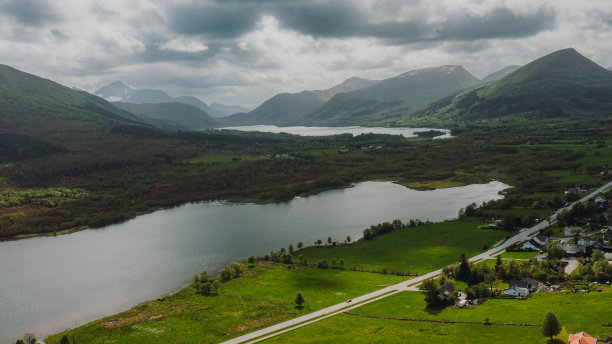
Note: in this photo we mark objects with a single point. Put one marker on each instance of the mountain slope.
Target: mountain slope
(392, 99)
(348, 85)
(282, 109)
(561, 83)
(500, 73)
(187, 116)
(31, 105)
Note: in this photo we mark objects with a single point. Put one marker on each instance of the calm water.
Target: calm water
(326, 131)
(49, 284)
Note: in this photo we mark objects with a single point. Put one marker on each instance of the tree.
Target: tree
(300, 245)
(490, 279)
(429, 289)
(64, 340)
(348, 238)
(551, 326)
(464, 269)
(329, 240)
(215, 284)
(290, 248)
(342, 263)
(498, 264)
(251, 260)
(299, 299)
(555, 251)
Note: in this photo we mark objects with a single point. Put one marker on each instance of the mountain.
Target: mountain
(392, 100)
(500, 73)
(226, 110)
(185, 115)
(561, 83)
(290, 108)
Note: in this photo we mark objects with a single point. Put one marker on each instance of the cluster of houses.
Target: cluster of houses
(580, 245)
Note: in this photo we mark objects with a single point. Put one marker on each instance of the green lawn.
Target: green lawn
(519, 255)
(415, 249)
(343, 328)
(262, 297)
(211, 159)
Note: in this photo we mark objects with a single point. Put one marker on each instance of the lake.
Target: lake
(326, 131)
(48, 284)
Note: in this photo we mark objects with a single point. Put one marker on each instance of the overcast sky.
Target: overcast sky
(243, 52)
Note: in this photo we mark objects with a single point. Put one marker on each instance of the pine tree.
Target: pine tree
(299, 299)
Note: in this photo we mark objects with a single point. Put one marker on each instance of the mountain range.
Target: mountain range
(563, 83)
(119, 91)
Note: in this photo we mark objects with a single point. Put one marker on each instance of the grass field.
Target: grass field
(415, 249)
(350, 328)
(519, 255)
(262, 297)
(221, 159)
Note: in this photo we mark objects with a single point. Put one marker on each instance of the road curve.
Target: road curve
(410, 284)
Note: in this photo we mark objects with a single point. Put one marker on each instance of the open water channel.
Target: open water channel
(48, 284)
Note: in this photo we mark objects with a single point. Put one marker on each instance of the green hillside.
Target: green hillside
(32, 105)
(184, 115)
(559, 84)
(391, 100)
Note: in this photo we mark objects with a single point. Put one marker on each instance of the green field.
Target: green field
(347, 328)
(519, 255)
(413, 249)
(220, 159)
(262, 297)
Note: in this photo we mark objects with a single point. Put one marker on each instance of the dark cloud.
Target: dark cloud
(336, 19)
(29, 12)
(212, 20)
(346, 21)
(498, 23)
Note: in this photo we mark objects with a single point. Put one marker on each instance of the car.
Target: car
(349, 300)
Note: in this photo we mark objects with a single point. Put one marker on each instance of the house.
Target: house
(585, 241)
(527, 283)
(532, 245)
(516, 292)
(445, 291)
(571, 231)
(541, 239)
(581, 338)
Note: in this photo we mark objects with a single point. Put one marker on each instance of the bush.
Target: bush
(322, 264)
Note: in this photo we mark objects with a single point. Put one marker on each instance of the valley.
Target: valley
(71, 161)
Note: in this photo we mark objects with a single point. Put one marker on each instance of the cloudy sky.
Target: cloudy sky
(243, 52)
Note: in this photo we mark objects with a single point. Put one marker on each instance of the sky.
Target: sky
(245, 51)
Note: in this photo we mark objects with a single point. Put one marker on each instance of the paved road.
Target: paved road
(410, 284)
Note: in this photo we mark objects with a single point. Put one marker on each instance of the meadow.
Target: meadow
(262, 296)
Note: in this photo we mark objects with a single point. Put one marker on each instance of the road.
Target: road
(410, 284)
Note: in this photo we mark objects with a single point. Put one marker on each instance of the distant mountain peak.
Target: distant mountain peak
(500, 73)
(115, 91)
(448, 69)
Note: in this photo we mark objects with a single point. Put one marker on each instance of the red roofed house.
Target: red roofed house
(581, 338)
